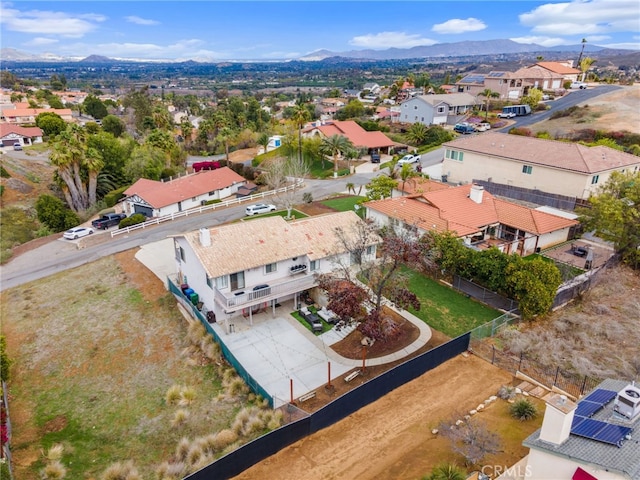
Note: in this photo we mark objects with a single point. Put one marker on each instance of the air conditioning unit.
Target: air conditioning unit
(627, 402)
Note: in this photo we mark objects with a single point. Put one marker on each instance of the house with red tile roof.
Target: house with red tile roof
(565, 69)
(156, 199)
(359, 136)
(546, 166)
(13, 134)
(22, 116)
(477, 217)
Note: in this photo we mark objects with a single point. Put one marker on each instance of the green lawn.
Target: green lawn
(343, 204)
(325, 326)
(446, 310)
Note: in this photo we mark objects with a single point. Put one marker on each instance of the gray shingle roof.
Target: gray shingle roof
(625, 460)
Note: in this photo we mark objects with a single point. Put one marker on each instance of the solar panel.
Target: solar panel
(612, 434)
(496, 74)
(587, 408)
(588, 428)
(576, 420)
(473, 79)
(601, 396)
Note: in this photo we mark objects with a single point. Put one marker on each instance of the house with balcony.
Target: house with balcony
(155, 198)
(249, 266)
(441, 109)
(475, 216)
(547, 166)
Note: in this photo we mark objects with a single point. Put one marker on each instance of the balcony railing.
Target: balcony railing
(263, 293)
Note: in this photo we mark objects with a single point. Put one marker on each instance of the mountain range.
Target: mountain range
(440, 50)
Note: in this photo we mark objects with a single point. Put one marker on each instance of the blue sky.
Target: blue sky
(215, 30)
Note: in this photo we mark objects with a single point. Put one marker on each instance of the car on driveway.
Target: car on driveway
(77, 232)
(506, 115)
(409, 159)
(17, 147)
(579, 85)
(464, 128)
(259, 208)
(482, 127)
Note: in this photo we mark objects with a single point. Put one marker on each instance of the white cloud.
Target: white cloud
(458, 25)
(544, 41)
(276, 55)
(40, 41)
(390, 39)
(46, 22)
(140, 21)
(623, 46)
(583, 17)
(182, 49)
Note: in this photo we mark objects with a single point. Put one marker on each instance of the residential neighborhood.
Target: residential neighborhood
(374, 254)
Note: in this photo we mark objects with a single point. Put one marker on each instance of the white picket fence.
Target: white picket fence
(206, 208)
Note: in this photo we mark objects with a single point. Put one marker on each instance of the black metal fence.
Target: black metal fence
(484, 295)
(244, 457)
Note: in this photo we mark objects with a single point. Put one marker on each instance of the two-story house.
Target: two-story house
(437, 109)
(474, 215)
(156, 199)
(239, 268)
(548, 166)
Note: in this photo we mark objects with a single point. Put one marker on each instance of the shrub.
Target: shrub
(187, 395)
(134, 219)
(211, 202)
(54, 213)
(180, 417)
(4, 173)
(523, 410)
(182, 449)
(447, 471)
(224, 438)
(307, 197)
(506, 392)
(173, 395)
(525, 132)
(54, 470)
(111, 198)
(122, 471)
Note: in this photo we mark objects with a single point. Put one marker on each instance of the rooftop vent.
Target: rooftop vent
(627, 402)
(205, 237)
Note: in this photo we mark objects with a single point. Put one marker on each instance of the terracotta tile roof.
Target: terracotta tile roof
(551, 153)
(452, 210)
(558, 67)
(28, 112)
(536, 71)
(358, 135)
(161, 194)
(7, 128)
(252, 244)
(420, 185)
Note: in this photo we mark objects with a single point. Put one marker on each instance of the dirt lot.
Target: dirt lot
(392, 439)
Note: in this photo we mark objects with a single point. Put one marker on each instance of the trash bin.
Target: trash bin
(194, 298)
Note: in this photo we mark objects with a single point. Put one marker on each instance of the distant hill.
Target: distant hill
(97, 59)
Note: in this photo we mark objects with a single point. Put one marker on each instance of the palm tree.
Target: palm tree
(447, 471)
(417, 133)
(585, 64)
(300, 117)
(334, 146)
(350, 187)
(584, 42)
(406, 172)
(488, 94)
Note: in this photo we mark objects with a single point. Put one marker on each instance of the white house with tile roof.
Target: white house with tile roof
(258, 263)
(437, 109)
(156, 199)
(557, 452)
(559, 168)
(476, 216)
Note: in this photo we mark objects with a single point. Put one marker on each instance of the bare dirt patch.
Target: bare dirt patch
(391, 438)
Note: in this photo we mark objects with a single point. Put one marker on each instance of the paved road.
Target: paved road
(59, 255)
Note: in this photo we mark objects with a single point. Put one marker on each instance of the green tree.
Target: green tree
(533, 98)
(585, 65)
(93, 106)
(5, 361)
(146, 162)
(380, 187)
(50, 123)
(335, 145)
(614, 215)
(488, 94)
(299, 117)
(353, 109)
(113, 125)
(55, 214)
(77, 167)
(407, 172)
(417, 134)
(533, 284)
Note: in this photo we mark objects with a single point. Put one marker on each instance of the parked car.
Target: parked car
(375, 157)
(409, 159)
(259, 208)
(109, 220)
(580, 85)
(77, 232)
(17, 146)
(482, 127)
(506, 115)
(464, 128)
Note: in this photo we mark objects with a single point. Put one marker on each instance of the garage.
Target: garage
(146, 211)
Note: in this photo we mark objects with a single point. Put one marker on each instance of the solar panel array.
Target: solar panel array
(496, 74)
(473, 79)
(586, 427)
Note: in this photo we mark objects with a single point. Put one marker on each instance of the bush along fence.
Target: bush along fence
(189, 306)
(571, 383)
(251, 453)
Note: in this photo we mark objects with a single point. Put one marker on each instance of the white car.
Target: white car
(409, 159)
(506, 115)
(259, 208)
(77, 232)
(482, 127)
(580, 85)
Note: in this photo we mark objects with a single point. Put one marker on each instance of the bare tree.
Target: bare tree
(471, 438)
(286, 172)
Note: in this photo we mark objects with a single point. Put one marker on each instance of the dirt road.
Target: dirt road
(391, 438)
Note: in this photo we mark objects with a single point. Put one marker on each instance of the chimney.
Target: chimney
(205, 237)
(558, 416)
(476, 193)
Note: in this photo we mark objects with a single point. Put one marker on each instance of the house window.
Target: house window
(182, 254)
(314, 265)
(209, 282)
(447, 153)
(441, 109)
(527, 169)
(222, 282)
(595, 179)
(211, 194)
(455, 155)
(370, 250)
(237, 280)
(270, 268)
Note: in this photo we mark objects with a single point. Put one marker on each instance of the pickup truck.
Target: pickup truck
(108, 220)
